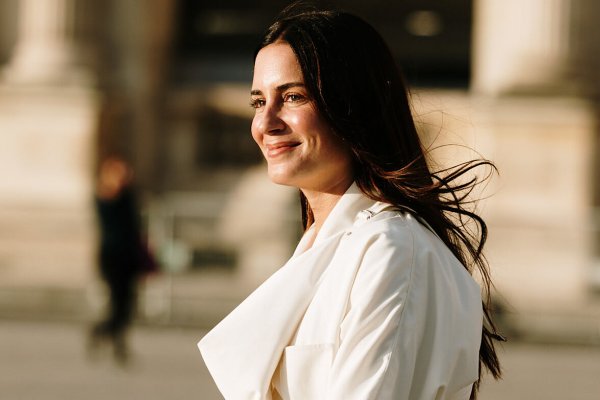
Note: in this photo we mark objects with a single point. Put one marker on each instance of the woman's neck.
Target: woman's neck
(322, 202)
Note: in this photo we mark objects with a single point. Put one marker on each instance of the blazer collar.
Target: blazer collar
(345, 212)
(243, 350)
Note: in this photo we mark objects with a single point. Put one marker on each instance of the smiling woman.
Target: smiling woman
(300, 147)
(377, 301)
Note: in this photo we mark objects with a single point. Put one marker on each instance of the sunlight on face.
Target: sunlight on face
(299, 146)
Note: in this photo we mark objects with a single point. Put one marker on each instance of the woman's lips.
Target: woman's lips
(276, 149)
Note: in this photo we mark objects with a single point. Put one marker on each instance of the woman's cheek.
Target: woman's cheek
(255, 135)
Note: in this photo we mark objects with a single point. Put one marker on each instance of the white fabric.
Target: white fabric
(377, 308)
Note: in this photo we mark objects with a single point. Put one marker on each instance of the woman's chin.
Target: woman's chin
(281, 178)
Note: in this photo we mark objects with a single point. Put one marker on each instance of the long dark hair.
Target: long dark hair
(358, 88)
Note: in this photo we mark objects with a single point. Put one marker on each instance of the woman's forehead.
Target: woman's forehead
(276, 65)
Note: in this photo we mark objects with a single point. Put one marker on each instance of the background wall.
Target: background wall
(165, 83)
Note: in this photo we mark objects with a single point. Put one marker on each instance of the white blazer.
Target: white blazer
(377, 308)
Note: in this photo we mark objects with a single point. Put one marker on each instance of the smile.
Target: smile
(276, 149)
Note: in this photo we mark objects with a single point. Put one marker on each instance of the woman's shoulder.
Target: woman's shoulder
(383, 241)
(407, 242)
(393, 226)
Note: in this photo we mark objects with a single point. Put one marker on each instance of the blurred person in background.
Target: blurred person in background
(377, 301)
(120, 253)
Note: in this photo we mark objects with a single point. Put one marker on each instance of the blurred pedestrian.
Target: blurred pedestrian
(378, 301)
(120, 253)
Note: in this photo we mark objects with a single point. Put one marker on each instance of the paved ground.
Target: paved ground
(47, 361)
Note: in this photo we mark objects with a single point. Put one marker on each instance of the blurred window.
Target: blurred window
(430, 38)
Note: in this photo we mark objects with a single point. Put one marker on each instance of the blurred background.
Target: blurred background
(165, 84)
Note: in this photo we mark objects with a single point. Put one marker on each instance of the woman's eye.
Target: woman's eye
(293, 97)
(257, 103)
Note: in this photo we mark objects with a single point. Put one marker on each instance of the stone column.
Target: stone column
(54, 43)
(49, 111)
(522, 46)
(544, 144)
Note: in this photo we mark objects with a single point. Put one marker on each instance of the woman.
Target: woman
(377, 301)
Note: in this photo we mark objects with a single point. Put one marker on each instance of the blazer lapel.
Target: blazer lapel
(243, 350)
(344, 214)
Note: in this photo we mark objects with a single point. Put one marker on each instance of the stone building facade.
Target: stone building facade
(165, 83)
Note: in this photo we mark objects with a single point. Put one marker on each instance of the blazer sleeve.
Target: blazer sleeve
(392, 344)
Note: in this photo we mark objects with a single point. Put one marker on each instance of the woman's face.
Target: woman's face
(300, 148)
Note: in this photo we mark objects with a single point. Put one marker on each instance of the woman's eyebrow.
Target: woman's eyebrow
(280, 88)
(290, 85)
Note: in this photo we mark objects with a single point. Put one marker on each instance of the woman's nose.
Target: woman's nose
(270, 121)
